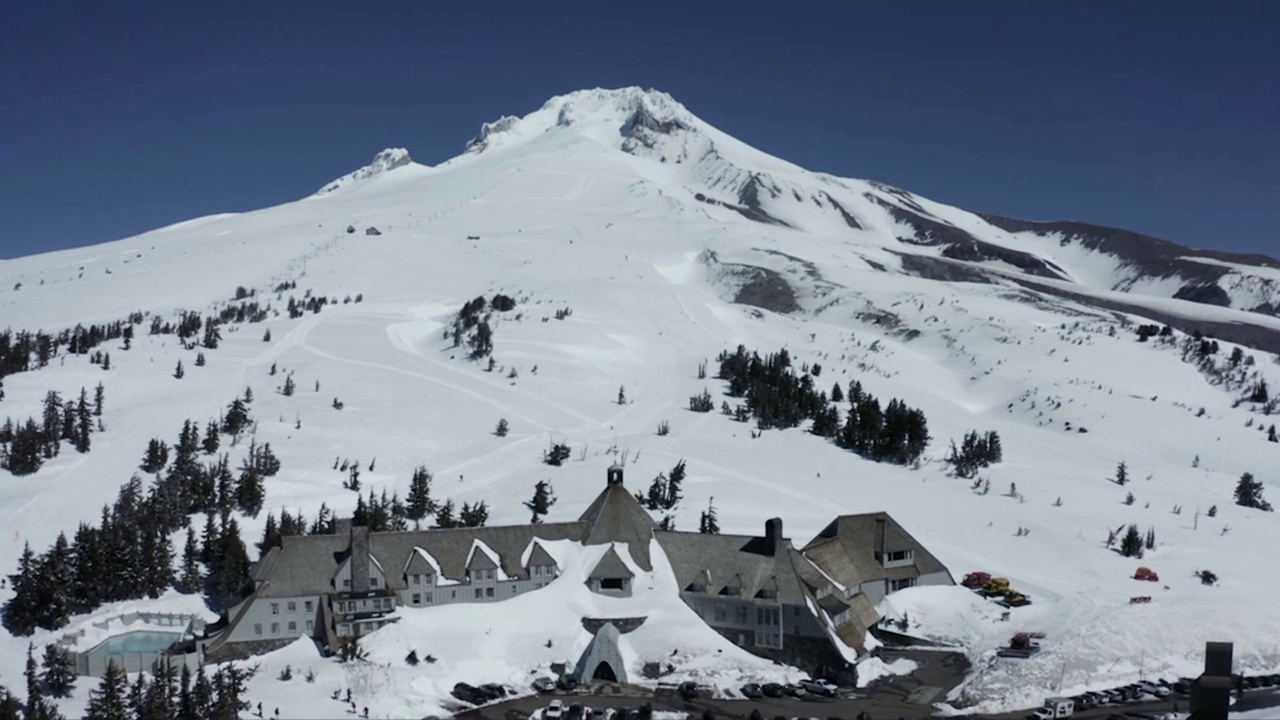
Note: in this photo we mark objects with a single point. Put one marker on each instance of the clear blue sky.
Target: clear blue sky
(1160, 116)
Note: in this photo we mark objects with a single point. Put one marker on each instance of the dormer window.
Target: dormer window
(697, 587)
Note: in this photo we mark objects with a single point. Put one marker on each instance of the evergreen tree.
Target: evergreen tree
(199, 359)
(707, 524)
(59, 674)
(1131, 544)
(248, 395)
(501, 430)
(1249, 493)
(473, 515)
(189, 578)
(109, 700)
(444, 515)
(84, 423)
(10, 707)
(20, 613)
(622, 395)
(178, 372)
(837, 395)
(99, 398)
(26, 450)
(674, 482)
(236, 419)
(1122, 474)
(230, 569)
(250, 492)
(185, 707)
(1150, 542)
(35, 695)
(209, 540)
(289, 386)
(212, 336)
(543, 499)
(420, 503)
(212, 437)
(201, 695)
(52, 416)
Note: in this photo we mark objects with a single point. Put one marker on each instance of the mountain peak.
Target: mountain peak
(630, 112)
(385, 161)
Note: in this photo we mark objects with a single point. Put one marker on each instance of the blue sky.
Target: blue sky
(1159, 116)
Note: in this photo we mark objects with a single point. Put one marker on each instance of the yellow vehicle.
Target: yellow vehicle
(995, 586)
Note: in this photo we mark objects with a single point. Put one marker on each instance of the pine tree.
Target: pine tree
(837, 395)
(248, 395)
(84, 424)
(622, 395)
(420, 503)
(250, 492)
(189, 578)
(178, 372)
(236, 420)
(1213, 511)
(1150, 542)
(1122, 474)
(109, 700)
(212, 335)
(707, 524)
(199, 359)
(209, 540)
(444, 515)
(10, 707)
(289, 386)
(230, 570)
(543, 499)
(212, 437)
(99, 398)
(21, 612)
(473, 515)
(35, 695)
(674, 481)
(59, 674)
(501, 430)
(1131, 544)
(1249, 493)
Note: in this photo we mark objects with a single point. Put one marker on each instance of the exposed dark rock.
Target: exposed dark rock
(1207, 294)
(960, 245)
(1149, 255)
(755, 214)
(931, 268)
(766, 289)
(642, 118)
(488, 130)
(849, 219)
(1242, 333)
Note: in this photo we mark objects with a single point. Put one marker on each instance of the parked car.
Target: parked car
(773, 690)
(493, 691)
(469, 694)
(687, 690)
(752, 691)
(566, 682)
(818, 686)
(554, 711)
(1156, 689)
(575, 712)
(793, 690)
(544, 685)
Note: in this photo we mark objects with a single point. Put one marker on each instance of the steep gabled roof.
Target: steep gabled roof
(846, 550)
(611, 566)
(539, 556)
(723, 560)
(615, 516)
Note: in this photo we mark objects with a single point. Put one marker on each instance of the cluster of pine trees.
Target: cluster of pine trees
(777, 398)
(21, 351)
(1249, 493)
(24, 447)
(170, 694)
(976, 451)
(472, 323)
(664, 493)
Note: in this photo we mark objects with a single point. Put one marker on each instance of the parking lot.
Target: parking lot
(908, 696)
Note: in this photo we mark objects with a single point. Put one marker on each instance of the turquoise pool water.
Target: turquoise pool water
(140, 641)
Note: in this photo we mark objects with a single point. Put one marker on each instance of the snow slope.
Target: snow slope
(647, 223)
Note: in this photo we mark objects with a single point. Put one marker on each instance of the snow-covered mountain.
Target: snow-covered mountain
(639, 242)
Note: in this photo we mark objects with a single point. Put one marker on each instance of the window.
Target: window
(346, 583)
(766, 616)
(373, 582)
(275, 628)
(310, 606)
(417, 597)
(895, 585)
(417, 579)
(740, 615)
(697, 587)
(310, 627)
(768, 627)
(453, 594)
(732, 590)
(612, 584)
(275, 608)
(537, 586)
(428, 598)
(293, 607)
(479, 594)
(488, 592)
(899, 555)
(427, 578)
(293, 627)
(720, 613)
(257, 628)
(388, 603)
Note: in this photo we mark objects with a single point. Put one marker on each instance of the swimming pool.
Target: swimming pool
(140, 641)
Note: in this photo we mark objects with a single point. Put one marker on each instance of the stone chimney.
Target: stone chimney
(359, 558)
(615, 475)
(773, 535)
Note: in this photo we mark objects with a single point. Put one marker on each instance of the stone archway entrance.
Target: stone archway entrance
(604, 672)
